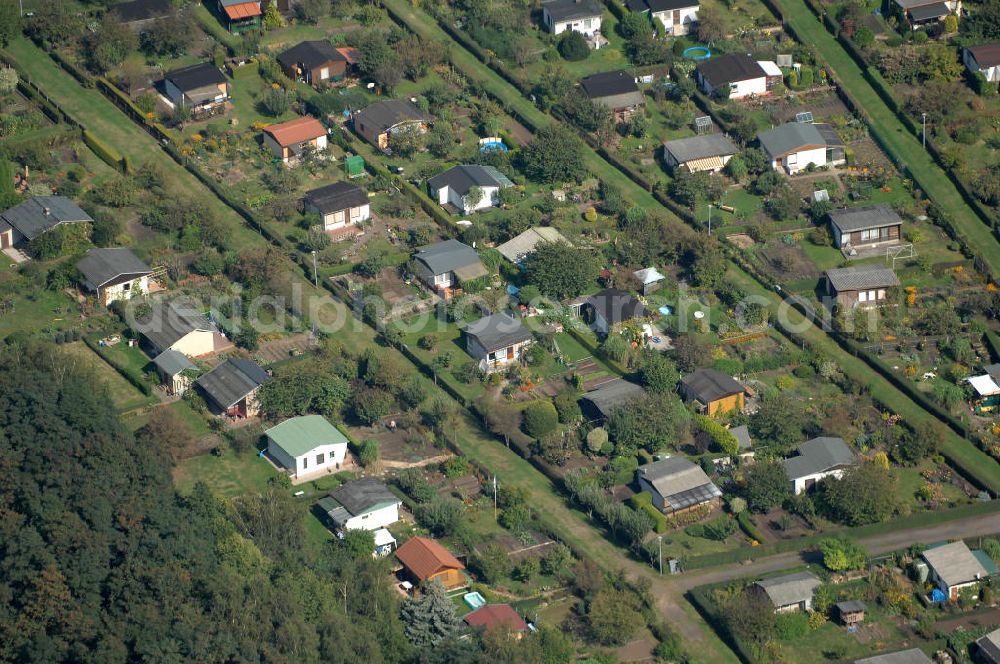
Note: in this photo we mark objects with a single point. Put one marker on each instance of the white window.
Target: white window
(871, 296)
(862, 296)
(793, 159)
(586, 24)
(881, 294)
(324, 73)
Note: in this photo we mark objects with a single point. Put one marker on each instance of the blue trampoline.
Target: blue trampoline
(697, 53)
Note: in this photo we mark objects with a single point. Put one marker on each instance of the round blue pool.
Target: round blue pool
(665, 310)
(493, 145)
(697, 53)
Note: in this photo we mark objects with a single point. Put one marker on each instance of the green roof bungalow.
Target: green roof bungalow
(307, 445)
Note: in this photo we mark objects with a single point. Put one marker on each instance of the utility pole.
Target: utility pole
(494, 498)
(923, 119)
(709, 218)
(315, 273)
(659, 546)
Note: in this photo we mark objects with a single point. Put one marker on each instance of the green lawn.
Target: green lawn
(910, 480)
(834, 637)
(122, 393)
(571, 348)
(903, 147)
(198, 423)
(36, 309)
(132, 357)
(227, 475)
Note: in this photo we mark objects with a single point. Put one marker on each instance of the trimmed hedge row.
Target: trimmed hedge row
(125, 103)
(748, 527)
(106, 153)
(643, 502)
(128, 373)
(708, 609)
(69, 67)
(993, 343)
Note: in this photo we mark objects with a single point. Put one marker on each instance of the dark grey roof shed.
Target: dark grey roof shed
(172, 362)
(336, 197)
(463, 178)
(567, 10)
(708, 385)
(700, 147)
(232, 381)
(107, 267)
(865, 217)
(364, 495)
(193, 77)
(447, 256)
(854, 278)
(929, 12)
(169, 322)
(612, 395)
(818, 455)
(42, 213)
(730, 68)
(310, 54)
(497, 331)
(616, 306)
(789, 138)
(388, 113)
(614, 89)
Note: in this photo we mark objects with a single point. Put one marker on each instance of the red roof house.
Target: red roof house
(424, 559)
(493, 616)
(288, 139)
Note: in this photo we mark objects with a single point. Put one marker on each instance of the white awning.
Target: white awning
(984, 385)
(383, 537)
(705, 164)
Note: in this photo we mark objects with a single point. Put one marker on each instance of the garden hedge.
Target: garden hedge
(644, 502)
(106, 153)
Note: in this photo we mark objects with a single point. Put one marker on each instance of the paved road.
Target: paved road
(959, 529)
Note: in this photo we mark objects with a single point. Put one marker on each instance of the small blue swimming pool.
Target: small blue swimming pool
(493, 145)
(474, 600)
(697, 53)
(665, 310)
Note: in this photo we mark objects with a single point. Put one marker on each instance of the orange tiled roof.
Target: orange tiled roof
(496, 615)
(296, 131)
(243, 10)
(350, 54)
(424, 558)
